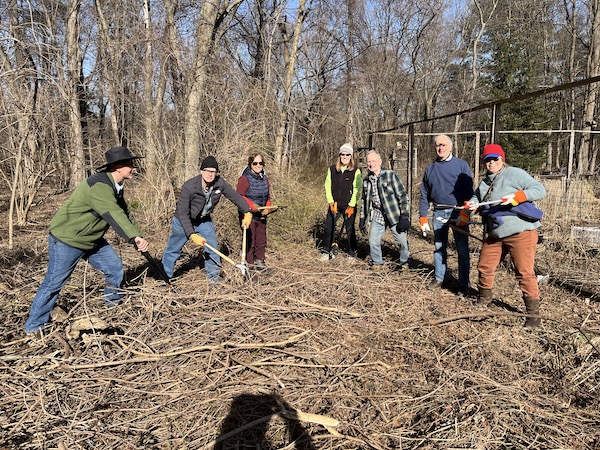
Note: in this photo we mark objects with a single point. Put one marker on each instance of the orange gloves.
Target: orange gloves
(333, 207)
(463, 218)
(349, 211)
(514, 199)
(424, 225)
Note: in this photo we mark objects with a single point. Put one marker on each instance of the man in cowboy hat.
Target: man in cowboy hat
(77, 231)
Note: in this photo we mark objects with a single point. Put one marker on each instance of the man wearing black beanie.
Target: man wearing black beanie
(198, 198)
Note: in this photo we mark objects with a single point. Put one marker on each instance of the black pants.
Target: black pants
(328, 236)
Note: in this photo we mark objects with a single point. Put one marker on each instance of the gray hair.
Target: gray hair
(376, 152)
(444, 136)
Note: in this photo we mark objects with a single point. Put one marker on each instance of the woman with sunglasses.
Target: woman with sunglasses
(254, 186)
(342, 187)
(510, 224)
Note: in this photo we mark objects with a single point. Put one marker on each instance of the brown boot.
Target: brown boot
(485, 297)
(532, 307)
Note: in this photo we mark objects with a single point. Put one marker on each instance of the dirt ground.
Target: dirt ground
(311, 355)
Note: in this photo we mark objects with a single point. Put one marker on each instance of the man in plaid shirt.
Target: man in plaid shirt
(384, 204)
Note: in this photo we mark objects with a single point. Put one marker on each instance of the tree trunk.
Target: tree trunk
(77, 160)
(112, 61)
(592, 92)
(290, 56)
(211, 26)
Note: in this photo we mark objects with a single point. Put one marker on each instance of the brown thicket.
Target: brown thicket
(308, 356)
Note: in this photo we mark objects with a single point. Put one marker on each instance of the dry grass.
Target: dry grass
(394, 364)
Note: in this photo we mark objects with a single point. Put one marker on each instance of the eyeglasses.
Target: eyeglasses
(211, 171)
(258, 163)
(487, 160)
(345, 154)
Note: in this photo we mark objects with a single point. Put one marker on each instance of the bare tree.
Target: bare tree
(26, 168)
(73, 89)
(291, 42)
(214, 19)
(593, 69)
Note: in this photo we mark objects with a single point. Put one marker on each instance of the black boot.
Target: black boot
(485, 297)
(532, 307)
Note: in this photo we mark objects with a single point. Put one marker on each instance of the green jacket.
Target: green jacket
(92, 208)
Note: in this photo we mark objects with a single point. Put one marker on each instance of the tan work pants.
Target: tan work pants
(521, 248)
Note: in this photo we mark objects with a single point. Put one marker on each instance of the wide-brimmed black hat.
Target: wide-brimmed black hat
(117, 154)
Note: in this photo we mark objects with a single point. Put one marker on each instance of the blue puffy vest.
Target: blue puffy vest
(258, 191)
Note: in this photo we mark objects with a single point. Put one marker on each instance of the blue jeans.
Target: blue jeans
(62, 259)
(376, 235)
(441, 226)
(178, 238)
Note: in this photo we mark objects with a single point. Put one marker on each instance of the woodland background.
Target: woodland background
(178, 80)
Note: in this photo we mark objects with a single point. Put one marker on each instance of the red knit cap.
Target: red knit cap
(493, 151)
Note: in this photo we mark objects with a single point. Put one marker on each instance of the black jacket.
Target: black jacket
(191, 201)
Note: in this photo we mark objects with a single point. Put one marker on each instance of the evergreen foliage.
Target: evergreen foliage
(513, 71)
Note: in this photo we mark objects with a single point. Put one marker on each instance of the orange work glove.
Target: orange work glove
(424, 225)
(349, 211)
(470, 206)
(197, 239)
(463, 218)
(333, 207)
(514, 199)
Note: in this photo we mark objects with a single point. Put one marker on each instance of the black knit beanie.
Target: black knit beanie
(209, 163)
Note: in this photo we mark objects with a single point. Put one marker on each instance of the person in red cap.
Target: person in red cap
(77, 232)
(510, 224)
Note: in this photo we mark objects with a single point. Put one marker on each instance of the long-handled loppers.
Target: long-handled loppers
(474, 205)
(243, 268)
(243, 261)
(158, 268)
(338, 235)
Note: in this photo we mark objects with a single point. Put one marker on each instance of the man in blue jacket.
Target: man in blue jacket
(447, 182)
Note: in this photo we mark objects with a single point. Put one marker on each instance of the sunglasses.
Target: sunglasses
(487, 160)
(257, 163)
(345, 154)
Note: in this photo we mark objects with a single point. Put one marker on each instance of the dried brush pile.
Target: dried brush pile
(307, 356)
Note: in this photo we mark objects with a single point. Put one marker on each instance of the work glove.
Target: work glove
(424, 225)
(362, 226)
(247, 220)
(470, 206)
(349, 211)
(463, 218)
(333, 207)
(267, 211)
(403, 225)
(198, 240)
(514, 199)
